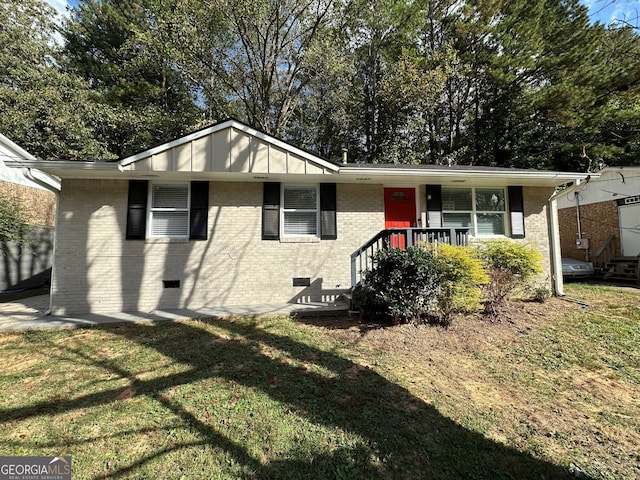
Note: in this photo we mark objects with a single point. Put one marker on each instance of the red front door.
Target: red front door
(399, 211)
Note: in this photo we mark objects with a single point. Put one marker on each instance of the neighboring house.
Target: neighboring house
(230, 215)
(27, 265)
(600, 218)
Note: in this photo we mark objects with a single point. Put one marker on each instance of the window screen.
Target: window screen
(481, 209)
(170, 210)
(457, 207)
(300, 211)
(488, 201)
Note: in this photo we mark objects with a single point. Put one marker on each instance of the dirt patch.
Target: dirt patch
(489, 377)
(465, 334)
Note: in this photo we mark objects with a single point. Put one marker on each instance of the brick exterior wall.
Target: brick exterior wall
(597, 220)
(536, 225)
(40, 204)
(98, 270)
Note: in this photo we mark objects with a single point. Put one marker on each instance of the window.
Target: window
(169, 212)
(480, 209)
(294, 211)
(300, 211)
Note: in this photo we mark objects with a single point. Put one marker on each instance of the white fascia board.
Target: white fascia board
(50, 166)
(62, 165)
(577, 180)
(555, 177)
(221, 126)
(17, 149)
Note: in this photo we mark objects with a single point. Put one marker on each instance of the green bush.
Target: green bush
(539, 292)
(14, 221)
(401, 287)
(510, 266)
(462, 275)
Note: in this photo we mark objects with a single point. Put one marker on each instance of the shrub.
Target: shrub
(462, 275)
(510, 265)
(539, 292)
(14, 221)
(401, 287)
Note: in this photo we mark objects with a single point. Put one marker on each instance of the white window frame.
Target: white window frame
(474, 211)
(284, 210)
(151, 209)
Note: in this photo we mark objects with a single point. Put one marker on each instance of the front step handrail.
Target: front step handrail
(604, 254)
(362, 258)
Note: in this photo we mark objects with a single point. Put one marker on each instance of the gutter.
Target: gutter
(46, 181)
(507, 174)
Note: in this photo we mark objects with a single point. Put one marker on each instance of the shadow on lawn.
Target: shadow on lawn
(412, 439)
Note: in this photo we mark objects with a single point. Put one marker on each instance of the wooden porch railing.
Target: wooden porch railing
(603, 256)
(362, 258)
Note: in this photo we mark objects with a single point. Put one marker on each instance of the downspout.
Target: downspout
(48, 182)
(556, 260)
(54, 187)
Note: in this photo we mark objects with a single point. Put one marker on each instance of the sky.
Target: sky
(608, 11)
(604, 11)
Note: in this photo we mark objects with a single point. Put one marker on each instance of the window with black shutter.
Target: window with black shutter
(167, 210)
(481, 209)
(299, 211)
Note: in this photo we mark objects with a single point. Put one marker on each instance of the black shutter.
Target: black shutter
(434, 206)
(137, 209)
(271, 211)
(199, 213)
(516, 212)
(328, 226)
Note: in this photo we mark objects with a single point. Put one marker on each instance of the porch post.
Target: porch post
(452, 236)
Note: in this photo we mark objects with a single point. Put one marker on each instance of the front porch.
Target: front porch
(362, 258)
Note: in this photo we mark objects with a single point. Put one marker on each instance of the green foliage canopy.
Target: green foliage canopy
(47, 111)
(524, 83)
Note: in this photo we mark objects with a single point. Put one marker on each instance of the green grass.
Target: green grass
(276, 398)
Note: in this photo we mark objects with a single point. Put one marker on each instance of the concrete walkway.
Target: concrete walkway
(30, 313)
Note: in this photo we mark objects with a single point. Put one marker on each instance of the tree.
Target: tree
(48, 112)
(144, 98)
(522, 83)
(538, 88)
(14, 221)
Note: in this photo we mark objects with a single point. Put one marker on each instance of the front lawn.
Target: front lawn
(551, 391)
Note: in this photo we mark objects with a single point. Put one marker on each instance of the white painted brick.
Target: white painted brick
(98, 270)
